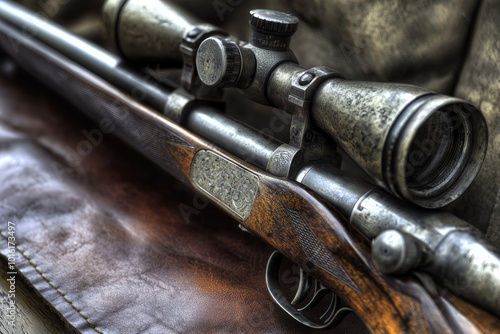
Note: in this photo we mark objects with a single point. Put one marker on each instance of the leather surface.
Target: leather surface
(101, 235)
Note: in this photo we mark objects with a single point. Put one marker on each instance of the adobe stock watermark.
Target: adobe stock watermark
(222, 7)
(263, 311)
(52, 7)
(353, 50)
(11, 312)
(278, 123)
(115, 112)
(74, 156)
(199, 203)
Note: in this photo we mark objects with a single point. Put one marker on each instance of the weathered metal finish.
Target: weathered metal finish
(333, 185)
(395, 252)
(266, 62)
(149, 30)
(244, 142)
(301, 93)
(177, 104)
(306, 143)
(110, 14)
(219, 62)
(480, 83)
(377, 211)
(268, 48)
(351, 196)
(453, 251)
(190, 79)
(335, 312)
(225, 182)
(285, 161)
(361, 115)
(470, 267)
(382, 127)
(382, 123)
(422, 43)
(223, 63)
(385, 129)
(90, 56)
(272, 30)
(380, 134)
(280, 81)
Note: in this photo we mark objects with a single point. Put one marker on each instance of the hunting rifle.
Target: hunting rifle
(421, 149)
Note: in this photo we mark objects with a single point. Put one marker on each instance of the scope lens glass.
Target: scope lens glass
(436, 151)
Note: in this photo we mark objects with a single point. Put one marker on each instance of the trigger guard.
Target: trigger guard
(272, 283)
(303, 288)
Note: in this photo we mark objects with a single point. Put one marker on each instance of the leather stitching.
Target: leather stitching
(30, 261)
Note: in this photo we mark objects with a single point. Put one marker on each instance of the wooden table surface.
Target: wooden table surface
(33, 316)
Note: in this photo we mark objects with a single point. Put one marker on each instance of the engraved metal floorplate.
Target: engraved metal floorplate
(225, 182)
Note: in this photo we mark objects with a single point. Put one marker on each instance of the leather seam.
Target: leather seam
(37, 269)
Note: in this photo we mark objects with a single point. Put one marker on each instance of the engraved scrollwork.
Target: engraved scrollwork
(281, 159)
(224, 181)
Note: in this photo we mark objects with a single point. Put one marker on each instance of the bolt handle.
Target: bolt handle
(395, 252)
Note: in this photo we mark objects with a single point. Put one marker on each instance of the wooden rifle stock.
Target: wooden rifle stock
(285, 214)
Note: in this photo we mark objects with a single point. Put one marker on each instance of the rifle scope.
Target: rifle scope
(424, 147)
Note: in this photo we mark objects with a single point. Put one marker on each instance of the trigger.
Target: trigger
(303, 289)
(333, 315)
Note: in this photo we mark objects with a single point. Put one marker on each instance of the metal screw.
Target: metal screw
(244, 229)
(306, 79)
(193, 33)
(295, 131)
